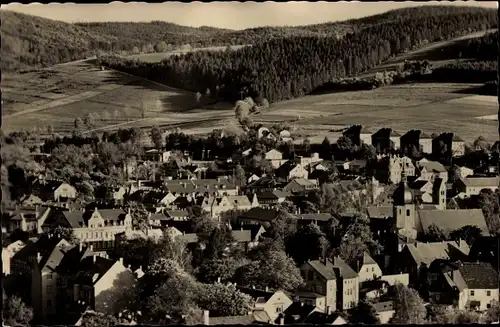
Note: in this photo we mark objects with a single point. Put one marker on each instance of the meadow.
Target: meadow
(58, 95)
(157, 57)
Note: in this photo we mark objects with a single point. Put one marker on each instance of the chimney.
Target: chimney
(80, 246)
(267, 289)
(327, 310)
(91, 248)
(121, 260)
(301, 304)
(38, 256)
(94, 258)
(206, 317)
(282, 320)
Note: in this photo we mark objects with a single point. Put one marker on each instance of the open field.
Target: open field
(433, 52)
(157, 57)
(56, 96)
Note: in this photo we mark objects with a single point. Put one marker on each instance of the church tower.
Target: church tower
(404, 209)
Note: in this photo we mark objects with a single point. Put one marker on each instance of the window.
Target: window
(373, 269)
(49, 303)
(471, 293)
(408, 212)
(400, 211)
(488, 293)
(278, 309)
(49, 289)
(367, 270)
(488, 305)
(49, 276)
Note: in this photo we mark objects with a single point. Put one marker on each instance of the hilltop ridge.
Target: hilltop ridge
(30, 41)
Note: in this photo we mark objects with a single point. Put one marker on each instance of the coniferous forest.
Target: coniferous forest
(286, 68)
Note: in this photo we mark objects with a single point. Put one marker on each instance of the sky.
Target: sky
(232, 15)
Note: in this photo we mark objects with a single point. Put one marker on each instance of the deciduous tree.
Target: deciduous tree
(409, 307)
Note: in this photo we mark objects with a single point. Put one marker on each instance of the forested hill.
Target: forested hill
(30, 41)
(287, 68)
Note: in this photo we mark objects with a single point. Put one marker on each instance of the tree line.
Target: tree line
(286, 68)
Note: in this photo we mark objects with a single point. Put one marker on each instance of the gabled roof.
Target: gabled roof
(380, 212)
(428, 252)
(261, 214)
(239, 200)
(78, 219)
(433, 166)
(479, 275)
(91, 272)
(272, 195)
(314, 216)
(451, 220)
(325, 270)
(322, 318)
(345, 270)
(260, 296)
(176, 213)
(481, 181)
(299, 311)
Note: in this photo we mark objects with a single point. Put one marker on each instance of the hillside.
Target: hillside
(287, 68)
(30, 41)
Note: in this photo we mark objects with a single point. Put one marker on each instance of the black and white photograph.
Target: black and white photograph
(250, 163)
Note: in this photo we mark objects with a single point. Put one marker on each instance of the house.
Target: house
(355, 166)
(429, 170)
(457, 146)
(252, 179)
(471, 286)
(114, 195)
(470, 186)
(397, 166)
(321, 318)
(28, 220)
(259, 215)
(285, 136)
(367, 268)
(306, 161)
(272, 198)
(8, 253)
(264, 184)
(256, 232)
(97, 227)
(275, 158)
(54, 191)
(175, 215)
(297, 312)
(358, 135)
(322, 219)
(416, 139)
(218, 187)
(290, 170)
(157, 155)
(102, 284)
(329, 285)
(301, 186)
(386, 139)
(417, 256)
(31, 200)
(274, 303)
(422, 189)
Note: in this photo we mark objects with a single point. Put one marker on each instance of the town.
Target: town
(291, 233)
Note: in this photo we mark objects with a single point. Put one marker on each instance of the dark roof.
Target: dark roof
(479, 275)
(271, 195)
(345, 270)
(453, 219)
(321, 318)
(257, 294)
(260, 214)
(380, 211)
(299, 311)
(418, 184)
(314, 216)
(254, 229)
(78, 219)
(90, 272)
(176, 213)
(403, 194)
